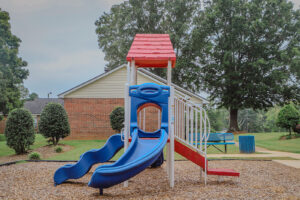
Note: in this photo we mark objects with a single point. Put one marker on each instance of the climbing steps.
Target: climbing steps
(199, 160)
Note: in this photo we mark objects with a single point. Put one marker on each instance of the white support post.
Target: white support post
(144, 119)
(158, 119)
(172, 140)
(127, 114)
(127, 122)
(170, 146)
(133, 73)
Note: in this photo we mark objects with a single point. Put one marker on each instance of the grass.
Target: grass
(266, 140)
(2, 137)
(6, 151)
(81, 146)
(253, 158)
(271, 141)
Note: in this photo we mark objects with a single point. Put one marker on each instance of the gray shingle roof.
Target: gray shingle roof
(36, 106)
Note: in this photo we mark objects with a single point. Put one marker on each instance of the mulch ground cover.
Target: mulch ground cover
(258, 180)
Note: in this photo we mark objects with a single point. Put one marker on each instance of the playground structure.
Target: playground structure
(180, 120)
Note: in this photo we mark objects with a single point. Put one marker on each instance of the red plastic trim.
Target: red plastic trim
(190, 154)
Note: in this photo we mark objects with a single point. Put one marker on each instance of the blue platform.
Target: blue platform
(88, 159)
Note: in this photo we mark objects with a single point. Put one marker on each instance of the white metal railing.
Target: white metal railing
(191, 124)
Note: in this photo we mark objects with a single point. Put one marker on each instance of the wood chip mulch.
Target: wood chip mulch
(258, 180)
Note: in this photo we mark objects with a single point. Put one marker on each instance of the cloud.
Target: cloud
(65, 72)
(58, 41)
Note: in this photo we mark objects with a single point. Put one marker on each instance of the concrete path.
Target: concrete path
(266, 153)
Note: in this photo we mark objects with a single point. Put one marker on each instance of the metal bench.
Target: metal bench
(220, 139)
(217, 139)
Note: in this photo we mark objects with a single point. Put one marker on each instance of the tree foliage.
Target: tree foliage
(117, 119)
(54, 123)
(245, 51)
(19, 130)
(117, 28)
(32, 96)
(288, 117)
(12, 67)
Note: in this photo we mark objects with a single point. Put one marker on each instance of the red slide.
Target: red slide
(196, 158)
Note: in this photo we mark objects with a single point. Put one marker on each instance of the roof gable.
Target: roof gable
(107, 81)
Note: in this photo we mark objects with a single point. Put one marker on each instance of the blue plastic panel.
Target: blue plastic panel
(149, 93)
(140, 154)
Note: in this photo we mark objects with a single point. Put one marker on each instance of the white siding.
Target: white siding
(112, 86)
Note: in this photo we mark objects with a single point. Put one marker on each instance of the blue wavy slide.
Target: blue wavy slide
(88, 159)
(140, 154)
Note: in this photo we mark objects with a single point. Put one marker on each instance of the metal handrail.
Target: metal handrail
(192, 125)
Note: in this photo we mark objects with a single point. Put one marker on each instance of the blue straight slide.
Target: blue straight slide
(88, 159)
(141, 153)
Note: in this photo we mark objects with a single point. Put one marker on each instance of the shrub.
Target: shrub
(58, 149)
(288, 117)
(19, 130)
(34, 156)
(54, 123)
(117, 119)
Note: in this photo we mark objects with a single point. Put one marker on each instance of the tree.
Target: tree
(251, 121)
(32, 96)
(19, 130)
(54, 122)
(244, 50)
(288, 117)
(117, 29)
(117, 119)
(270, 120)
(12, 67)
(218, 119)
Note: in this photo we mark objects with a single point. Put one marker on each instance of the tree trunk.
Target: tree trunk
(233, 126)
(57, 139)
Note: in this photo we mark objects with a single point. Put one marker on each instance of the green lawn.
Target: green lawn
(271, 141)
(79, 147)
(6, 151)
(266, 140)
(2, 137)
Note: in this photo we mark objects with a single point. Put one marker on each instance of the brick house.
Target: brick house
(89, 104)
(35, 107)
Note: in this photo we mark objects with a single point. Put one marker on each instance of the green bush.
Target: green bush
(19, 130)
(54, 123)
(288, 117)
(34, 156)
(117, 119)
(58, 149)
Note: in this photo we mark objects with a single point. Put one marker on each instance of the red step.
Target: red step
(199, 160)
(222, 172)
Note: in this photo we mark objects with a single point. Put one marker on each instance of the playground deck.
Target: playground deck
(258, 180)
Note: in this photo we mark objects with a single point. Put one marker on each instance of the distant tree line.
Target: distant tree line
(252, 121)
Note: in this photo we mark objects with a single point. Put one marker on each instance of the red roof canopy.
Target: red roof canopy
(151, 50)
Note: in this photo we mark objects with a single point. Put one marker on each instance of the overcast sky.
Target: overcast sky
(59, 41)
